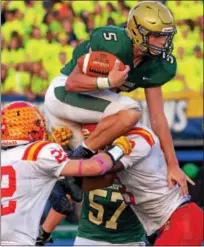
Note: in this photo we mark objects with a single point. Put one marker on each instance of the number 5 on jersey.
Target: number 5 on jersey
(110, 36)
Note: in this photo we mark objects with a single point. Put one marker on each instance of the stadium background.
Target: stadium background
(38, 37)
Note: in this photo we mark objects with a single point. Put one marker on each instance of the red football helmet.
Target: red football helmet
(21, 123)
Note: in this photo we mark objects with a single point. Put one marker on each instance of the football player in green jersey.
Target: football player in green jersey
(145, 46)
(105, 220)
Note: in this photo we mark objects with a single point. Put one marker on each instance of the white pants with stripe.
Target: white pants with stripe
(61, 114)
(83, 241)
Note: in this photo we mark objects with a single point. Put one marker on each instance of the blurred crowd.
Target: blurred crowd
(38, 38)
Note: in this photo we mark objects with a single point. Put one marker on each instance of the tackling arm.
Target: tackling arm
(89, 167)
(99, 182)
(100, 163)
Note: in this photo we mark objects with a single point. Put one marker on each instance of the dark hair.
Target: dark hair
(190, 23)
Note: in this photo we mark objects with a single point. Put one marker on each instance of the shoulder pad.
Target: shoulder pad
(32, 151)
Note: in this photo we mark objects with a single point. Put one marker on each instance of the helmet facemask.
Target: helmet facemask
(153, 50)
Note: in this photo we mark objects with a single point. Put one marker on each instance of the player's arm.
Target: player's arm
(99, 164)
(100, 182)
(49, 225)
(140, 151)
(79, 82)
(160, 126)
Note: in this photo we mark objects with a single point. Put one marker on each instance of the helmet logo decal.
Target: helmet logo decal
(168, 29)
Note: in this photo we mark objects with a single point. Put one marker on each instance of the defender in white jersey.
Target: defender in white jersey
(30, 166)
(145, 188)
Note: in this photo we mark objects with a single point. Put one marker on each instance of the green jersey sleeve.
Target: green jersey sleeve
(159, 72)
(80, 50)
(151, 72)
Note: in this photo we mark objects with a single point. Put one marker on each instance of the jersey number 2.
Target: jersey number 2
(10, 190)
(98, 219)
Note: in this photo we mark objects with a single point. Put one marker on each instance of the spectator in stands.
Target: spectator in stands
(39, 79)
(65, 9)
(36, 45)
(3, 43)
(12, 24)
(50, 37)
(195, 79)
(63, 45)
(99, 18)
(4, 74)
(198, 52)
(4, 6)
(52, 20)
(68, 28)
(34, 13)
(89, 25)
(16, 82)
(15, 53)
(110, 21)
(110, 11)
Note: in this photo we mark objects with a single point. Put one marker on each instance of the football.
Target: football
(98, 63)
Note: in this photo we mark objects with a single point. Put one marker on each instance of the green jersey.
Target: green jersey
(151, 72)
(105, 217)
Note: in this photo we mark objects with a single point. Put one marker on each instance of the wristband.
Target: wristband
(116, 153)
(104, 167)
(103, 83)
(80, 167)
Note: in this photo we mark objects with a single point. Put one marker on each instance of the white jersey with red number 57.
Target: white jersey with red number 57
(28, 174)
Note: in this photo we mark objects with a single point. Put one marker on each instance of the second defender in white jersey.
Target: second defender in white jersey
(143, 175)
(30, 166)
(145, 181)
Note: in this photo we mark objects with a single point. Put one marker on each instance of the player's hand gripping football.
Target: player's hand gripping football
(116, 77)
(124, 143)
(176, 175)
(60, 136)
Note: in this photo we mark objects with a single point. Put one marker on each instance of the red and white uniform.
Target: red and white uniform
(29, 172)
(145, 185)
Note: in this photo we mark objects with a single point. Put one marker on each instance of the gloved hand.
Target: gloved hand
(81, 152)
(124, 143)
(72, 187)
(63, 205)
(60, 136)
(43, 238)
